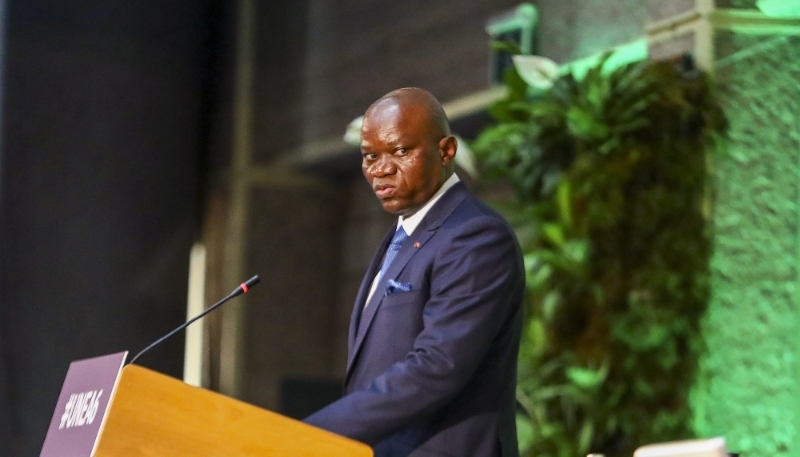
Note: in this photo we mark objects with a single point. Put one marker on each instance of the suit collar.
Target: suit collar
(442, 209)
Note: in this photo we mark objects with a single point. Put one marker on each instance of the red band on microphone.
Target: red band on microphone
(244, 287)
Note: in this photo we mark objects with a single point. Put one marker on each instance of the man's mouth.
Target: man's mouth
(384, 190)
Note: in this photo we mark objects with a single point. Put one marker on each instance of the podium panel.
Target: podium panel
(82, 406)
(153, 415)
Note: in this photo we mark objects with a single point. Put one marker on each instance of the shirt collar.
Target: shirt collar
(410, 223)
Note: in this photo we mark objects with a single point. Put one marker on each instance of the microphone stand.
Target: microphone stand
(242, 289)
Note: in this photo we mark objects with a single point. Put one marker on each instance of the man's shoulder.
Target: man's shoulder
(472, 207)
(461, 210)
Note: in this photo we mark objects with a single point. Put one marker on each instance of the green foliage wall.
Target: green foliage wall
(748, 389)
(608, 176)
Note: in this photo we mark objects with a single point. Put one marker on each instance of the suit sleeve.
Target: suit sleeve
(474, 280)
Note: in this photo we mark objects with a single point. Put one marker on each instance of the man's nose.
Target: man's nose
(382, 167)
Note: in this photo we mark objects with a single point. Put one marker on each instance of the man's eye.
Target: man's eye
(401, 151)
(368, 156)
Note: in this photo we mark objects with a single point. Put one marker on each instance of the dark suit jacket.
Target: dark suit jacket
(432, 371)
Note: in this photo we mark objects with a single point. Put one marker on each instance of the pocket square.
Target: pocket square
(393, 286)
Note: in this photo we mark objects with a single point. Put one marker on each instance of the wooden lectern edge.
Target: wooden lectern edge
(111, 397)
(152, 414)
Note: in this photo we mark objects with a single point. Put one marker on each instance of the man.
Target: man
(436, 325)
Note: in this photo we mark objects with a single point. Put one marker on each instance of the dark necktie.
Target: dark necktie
(397, 242)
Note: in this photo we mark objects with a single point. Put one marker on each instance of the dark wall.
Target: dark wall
(101, 152)
(321, 63)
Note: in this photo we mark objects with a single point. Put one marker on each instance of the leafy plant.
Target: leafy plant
(607, 179)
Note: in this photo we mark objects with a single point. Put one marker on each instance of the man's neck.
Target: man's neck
(410, 223)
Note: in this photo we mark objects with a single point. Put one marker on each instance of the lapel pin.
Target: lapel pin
(416, 244)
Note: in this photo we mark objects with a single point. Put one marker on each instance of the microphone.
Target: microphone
(242, 289)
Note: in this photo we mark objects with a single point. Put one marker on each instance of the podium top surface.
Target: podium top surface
(156, 415)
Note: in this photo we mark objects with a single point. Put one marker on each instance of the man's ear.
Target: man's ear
(447, 149)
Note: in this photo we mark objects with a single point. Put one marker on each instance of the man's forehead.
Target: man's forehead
(385, 132)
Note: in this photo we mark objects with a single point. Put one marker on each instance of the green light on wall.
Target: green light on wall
(780, 8)
(516, 26)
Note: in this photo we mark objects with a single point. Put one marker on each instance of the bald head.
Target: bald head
(407, 150)
(422, 102)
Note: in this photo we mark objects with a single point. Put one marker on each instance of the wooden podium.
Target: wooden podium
(135, 412)
(154, 415)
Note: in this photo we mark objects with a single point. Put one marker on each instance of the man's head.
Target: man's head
(407, 150)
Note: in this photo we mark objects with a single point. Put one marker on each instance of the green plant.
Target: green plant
(607, 179)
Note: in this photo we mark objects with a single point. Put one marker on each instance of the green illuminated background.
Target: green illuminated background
(748, 387)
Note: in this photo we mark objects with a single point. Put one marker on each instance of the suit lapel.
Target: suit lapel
(363, 291)
(360, 324)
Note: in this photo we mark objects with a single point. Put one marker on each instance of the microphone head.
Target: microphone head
(245, 286)
(252, 281)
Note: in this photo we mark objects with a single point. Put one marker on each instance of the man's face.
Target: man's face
(402, 158)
